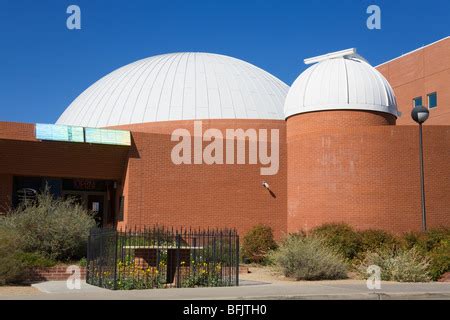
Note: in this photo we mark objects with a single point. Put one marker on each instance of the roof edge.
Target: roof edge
(347, 107)
(412, 51)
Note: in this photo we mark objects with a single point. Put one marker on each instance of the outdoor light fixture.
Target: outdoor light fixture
(265, 185)
(420, 115)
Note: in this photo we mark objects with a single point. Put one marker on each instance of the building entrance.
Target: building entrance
(95, 195)
(92, 201)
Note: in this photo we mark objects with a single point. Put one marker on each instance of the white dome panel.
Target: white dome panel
(179, 86)
(341, 80)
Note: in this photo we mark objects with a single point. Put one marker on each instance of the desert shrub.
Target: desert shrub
(435, 244)
(439, 260)
(35, 260)
(372, 240)
(11, 268)
(82, 262)
(403, 265)
(14, 262)
(341, 238)
(258, 242)
(55, 228)
(427, 241)
(308, 258)
(412, 239)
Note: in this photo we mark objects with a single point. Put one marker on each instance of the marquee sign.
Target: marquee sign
(107, 136)
(55, 132)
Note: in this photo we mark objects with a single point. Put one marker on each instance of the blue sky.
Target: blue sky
(44, 66)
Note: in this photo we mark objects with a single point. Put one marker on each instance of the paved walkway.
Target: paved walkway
(341, 289)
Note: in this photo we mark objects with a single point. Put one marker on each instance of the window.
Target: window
(432, 100)
(417, 102)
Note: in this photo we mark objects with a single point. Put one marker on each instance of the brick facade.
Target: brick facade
(423, 71)
(158, 191)
(367, 176)
(57, 273)
(342, 166)
(23, 155)
(357, 167)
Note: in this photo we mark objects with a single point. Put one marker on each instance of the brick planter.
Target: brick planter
(56, 273)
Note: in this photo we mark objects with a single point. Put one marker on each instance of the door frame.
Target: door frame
(84, 195)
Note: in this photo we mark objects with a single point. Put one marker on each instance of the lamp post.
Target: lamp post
(420, 115)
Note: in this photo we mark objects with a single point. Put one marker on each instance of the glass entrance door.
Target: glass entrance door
(92, 201)
(96, 203)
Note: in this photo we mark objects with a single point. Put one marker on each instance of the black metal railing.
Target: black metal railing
(160, 257)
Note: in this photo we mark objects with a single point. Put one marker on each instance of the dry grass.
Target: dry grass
(272, 275)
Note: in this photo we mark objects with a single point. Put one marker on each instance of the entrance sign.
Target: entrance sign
(84, 185)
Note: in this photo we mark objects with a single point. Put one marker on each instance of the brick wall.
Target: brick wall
(367, 176)
(419, 73)
(158, 191)
(17, 131)
(331, 119)
(23, 155)
(349, 166)
(57, 273)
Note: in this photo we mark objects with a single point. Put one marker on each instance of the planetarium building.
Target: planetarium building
(331, 141)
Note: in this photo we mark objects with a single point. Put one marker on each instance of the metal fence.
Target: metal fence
(159, 257)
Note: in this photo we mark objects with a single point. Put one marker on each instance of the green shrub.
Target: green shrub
(55, 228)
(308, 258)
(440, 260)
(258, 242)
(427, 241)
(82, 262)
(11, 266)
(372, 240)
(35, 260)
(435, 244)
(403, 265)
(341, 238)
(14, 262)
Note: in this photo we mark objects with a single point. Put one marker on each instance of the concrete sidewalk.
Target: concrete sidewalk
(339, 289)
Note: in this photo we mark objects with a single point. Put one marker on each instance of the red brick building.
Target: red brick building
(420, 76)
(338, 161)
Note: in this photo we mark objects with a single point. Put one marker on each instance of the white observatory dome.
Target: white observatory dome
(179, 86)
(340, 81)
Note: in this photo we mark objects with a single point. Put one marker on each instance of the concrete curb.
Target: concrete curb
(250, 291)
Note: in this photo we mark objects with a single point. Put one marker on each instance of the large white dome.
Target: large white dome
(340, 80)
(179, 86)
